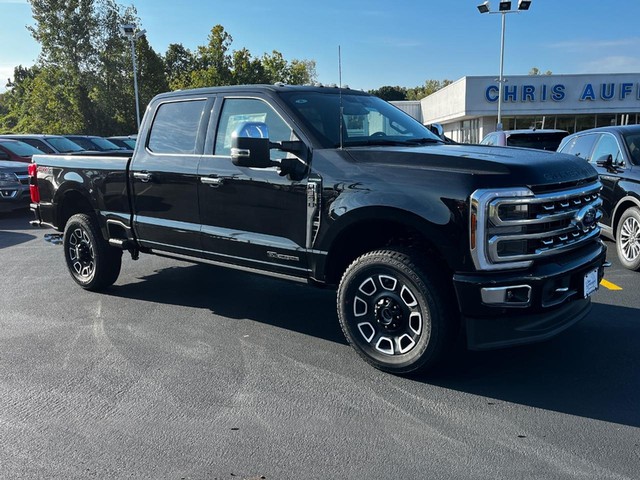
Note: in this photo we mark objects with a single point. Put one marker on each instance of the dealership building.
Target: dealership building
(468, 107)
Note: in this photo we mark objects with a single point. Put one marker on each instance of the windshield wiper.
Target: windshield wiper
(422, 141)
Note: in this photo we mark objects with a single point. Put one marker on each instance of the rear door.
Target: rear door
(164, 176)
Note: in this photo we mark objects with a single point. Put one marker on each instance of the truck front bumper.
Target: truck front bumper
(511, 308)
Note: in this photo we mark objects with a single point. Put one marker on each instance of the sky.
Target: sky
(383, 42)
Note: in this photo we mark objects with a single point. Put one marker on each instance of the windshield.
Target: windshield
(104, 144)
(366, 120)
(20, 148)
(541, 141)
(64, 145)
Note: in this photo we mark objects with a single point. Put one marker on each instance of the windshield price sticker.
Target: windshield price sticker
(590, 282)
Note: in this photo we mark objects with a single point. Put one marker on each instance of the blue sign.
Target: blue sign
(558, 93)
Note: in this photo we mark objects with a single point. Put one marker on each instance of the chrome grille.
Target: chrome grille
(515, 227)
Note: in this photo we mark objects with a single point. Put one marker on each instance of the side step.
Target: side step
(121, 243)
(125, 244)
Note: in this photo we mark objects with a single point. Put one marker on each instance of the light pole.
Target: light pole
(129, 31)
(503, 8)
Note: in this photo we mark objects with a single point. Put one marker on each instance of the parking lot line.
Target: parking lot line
(609, 285)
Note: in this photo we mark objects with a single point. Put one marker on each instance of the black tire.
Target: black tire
(397, 314)
(91, 261)
(628, 239)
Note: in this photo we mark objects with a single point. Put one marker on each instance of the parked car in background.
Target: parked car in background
(124, 141)
(615, 154)
(16, 151)
(14, 186)
(543, 139)
(51, 144)
(94, 143)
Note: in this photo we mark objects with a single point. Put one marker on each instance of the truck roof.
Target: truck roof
(276, 88)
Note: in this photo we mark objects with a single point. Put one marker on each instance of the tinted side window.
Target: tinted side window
(38, 144)
(239, 110)
(607, 145)
(175, 127)
(580, 145)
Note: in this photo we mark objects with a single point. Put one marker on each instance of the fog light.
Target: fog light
(513, 296)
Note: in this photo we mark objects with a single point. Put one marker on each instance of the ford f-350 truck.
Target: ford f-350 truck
(425, 241)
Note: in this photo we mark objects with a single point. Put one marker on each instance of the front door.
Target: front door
(607, 145)
(252, 216)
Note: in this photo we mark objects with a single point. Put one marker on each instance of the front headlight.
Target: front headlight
(9, 180)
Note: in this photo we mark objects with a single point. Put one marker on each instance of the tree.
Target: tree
(536, 71)
(389, 93)
(429, 87)
(213, 62)
(178, 64)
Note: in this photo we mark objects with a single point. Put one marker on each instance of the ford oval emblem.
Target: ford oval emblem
(585, 218)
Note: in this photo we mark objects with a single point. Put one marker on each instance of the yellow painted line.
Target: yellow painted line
(609, 285)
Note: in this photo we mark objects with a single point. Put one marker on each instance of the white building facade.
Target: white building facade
(468, 108)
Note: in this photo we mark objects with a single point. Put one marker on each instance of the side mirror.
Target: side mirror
(605, 161)
(250, 145)
(436, 129)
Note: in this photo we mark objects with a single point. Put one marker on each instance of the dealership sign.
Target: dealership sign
(558, 92)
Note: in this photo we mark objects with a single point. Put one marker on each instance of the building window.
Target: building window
(584, 122)
(605, 120)
(470, 131)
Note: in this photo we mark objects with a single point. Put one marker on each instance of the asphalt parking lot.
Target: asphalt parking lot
(187, 371)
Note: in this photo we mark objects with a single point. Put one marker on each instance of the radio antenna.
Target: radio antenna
(340, 95)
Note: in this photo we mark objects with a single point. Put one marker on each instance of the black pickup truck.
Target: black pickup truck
(423, 240)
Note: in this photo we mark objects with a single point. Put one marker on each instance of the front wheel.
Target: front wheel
(397, 315)
(91, 261)
(628, 239)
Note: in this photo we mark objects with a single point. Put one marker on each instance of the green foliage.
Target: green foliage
(215, 64)
(397, 93)
(83, 80)
(536, 71)
(429, 87)
(389, 93)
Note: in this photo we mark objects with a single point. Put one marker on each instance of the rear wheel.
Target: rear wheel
(91, 261)
(628, 239)
(397, 314)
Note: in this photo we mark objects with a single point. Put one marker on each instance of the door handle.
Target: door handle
(213, 181)
(142, 176)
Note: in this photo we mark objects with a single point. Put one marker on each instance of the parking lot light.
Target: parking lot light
(503, 9)
(484, 7)
(524, 4)
(129, 31)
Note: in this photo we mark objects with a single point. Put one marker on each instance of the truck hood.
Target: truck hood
(15, 167)
(531, 167)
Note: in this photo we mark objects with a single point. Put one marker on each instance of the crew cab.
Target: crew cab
(424, 241)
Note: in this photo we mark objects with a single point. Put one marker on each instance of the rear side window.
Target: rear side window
(38, 144)
(580, 145)
(175, 127)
